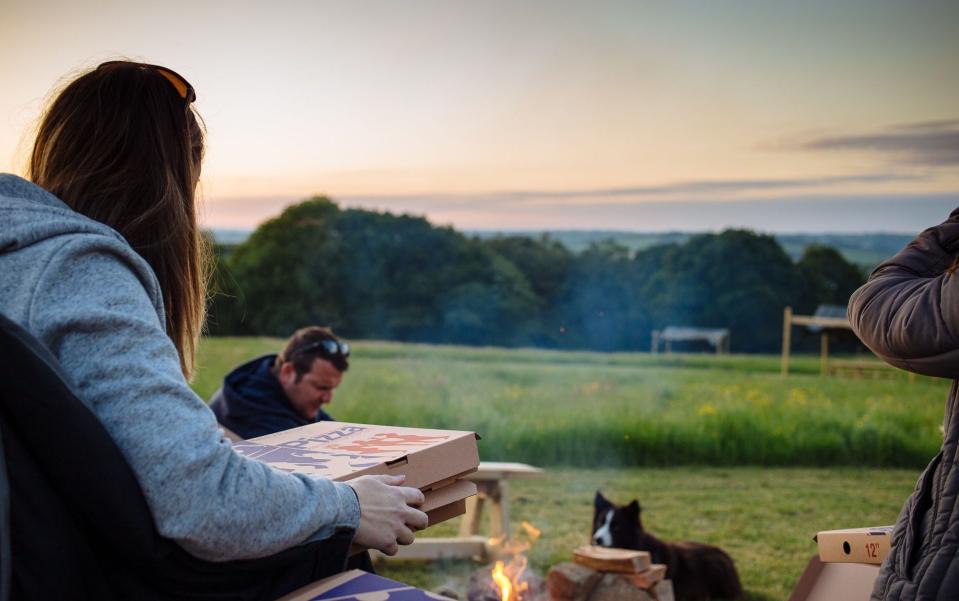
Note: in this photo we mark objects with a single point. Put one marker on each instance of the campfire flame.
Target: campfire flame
(508, 577)
(532, 531)
(503, 582)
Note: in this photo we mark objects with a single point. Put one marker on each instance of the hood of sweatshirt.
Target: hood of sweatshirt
(29, 214)
(252, 402)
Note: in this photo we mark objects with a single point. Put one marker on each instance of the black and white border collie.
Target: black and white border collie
(698, 571)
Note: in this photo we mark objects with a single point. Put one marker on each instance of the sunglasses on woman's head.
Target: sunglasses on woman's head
(182, 86)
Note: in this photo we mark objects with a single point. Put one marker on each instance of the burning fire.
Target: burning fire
(508, 577)
(503, 582)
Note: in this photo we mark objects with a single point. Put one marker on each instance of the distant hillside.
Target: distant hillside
(867, 250)
(229, 237)
(864, 249)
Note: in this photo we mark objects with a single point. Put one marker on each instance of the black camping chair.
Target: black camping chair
(73, 520)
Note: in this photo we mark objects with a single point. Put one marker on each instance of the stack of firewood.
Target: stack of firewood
(604, 574)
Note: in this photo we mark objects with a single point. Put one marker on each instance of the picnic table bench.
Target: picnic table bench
(491, 481)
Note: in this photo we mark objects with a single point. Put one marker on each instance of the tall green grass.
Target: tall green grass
(594, 409)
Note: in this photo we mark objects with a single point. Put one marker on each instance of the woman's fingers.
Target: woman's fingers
(391, 549)
(416, 519)
(413, 496)
(388, 513)
(405, 537)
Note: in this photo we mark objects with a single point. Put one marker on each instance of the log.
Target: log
(614, 588)
(570, 581)
(663, 591)
(617, 587)
(608, 559)
(647, 578)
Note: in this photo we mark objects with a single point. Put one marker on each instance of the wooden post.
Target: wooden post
(654, 346)
(787, 331)
(824, 353)
(669, 346)
(499, 511)
(470, 525)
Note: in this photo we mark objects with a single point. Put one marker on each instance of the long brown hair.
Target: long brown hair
(121, 146)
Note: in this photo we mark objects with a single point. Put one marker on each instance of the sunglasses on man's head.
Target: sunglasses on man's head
(328, 347)
(183, 87)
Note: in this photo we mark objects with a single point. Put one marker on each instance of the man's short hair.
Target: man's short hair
(306, 345)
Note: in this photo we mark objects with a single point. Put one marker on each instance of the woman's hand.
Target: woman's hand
(388, 516)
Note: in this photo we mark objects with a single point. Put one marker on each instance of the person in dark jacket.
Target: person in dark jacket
(279, 392)
(908, 314)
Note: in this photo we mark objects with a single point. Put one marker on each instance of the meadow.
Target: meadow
(618, 410)
(717, 449)
(764, 518)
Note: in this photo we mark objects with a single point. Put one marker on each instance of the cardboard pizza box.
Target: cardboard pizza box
(357, 584)
(429, 459)
(835, 581)
(854, 545)
(448, 501)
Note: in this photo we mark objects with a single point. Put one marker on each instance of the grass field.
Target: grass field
(764, 518)
(615, 410)
(611, 421)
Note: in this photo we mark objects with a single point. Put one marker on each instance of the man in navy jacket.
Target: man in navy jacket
(279, 392)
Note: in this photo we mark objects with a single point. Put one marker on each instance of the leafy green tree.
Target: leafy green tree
(404, 279)
(281, 274)
(224, 313)
(828, 278)
(372, 275)
(397, 277)
(599, 308)
(545, 263)
(736, 279)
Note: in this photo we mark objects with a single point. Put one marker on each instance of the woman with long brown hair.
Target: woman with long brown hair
(103, 262)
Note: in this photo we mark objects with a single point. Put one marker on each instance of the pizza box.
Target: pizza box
(854, 545)
(835, 581)
(448, 501)
(355, 585)
(430, 459)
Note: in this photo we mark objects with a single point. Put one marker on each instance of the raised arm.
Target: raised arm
(908, 311)
(95, 306)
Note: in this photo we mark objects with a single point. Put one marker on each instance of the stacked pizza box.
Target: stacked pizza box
(434, 461)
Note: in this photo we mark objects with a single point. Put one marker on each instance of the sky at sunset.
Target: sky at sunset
(648, 116)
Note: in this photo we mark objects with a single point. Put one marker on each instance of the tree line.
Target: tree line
(372, 275)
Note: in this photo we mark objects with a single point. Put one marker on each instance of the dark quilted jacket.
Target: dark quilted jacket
(908, 314)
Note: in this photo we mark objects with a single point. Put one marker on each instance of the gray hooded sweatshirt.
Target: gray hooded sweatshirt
(79, 288)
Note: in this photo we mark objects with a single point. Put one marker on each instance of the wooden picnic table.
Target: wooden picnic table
(491, 481)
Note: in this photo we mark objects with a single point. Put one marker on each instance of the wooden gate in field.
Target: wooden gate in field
(832, 318)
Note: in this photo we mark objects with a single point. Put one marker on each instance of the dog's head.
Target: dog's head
(616, 526)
